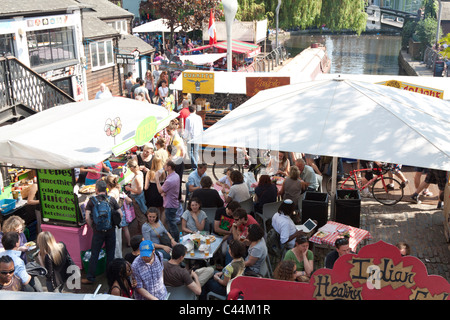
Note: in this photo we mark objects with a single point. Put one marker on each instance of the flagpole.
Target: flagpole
(230, 7)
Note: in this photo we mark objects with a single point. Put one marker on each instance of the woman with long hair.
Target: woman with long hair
(152, 197)
(136, 189)
(194, 218)
(54, 257)
(265, 192)
(150, 83)
(112, 182)
(118, 275)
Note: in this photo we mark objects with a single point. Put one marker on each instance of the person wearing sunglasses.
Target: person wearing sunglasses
(8, 280)
(342, 248)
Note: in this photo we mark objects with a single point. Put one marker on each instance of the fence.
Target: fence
(21, 85)
(268, 62)
(431, 56)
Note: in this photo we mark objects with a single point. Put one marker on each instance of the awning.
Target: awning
(201, 59)
(241, 47)
(237, 47)
(155, 26)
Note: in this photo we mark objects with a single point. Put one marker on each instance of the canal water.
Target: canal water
(352, 54)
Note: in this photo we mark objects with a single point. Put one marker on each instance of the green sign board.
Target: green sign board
(144, 133)
(58, 202)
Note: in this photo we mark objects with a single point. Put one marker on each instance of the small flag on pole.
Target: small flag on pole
(212, 28)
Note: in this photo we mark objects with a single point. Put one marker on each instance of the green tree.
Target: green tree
(446, 51)
(187, 14)
(343, 14)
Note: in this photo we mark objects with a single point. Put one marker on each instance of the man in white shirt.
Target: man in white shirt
(193, 128)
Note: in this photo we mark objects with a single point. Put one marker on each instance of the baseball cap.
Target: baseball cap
(146, 248)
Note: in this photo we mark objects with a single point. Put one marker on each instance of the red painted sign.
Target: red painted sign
(377, 272)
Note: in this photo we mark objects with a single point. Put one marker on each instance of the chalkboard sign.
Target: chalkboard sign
(58, 201)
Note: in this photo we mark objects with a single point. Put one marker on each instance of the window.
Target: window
(50, 46)
(101, 54)
(7, 44)
(120, 26)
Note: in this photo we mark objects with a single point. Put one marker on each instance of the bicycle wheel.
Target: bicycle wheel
(221, 170)
(346, 184)
(387, 191)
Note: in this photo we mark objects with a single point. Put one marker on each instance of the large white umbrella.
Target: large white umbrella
(341, 118)
(76, 134)
(159, 25)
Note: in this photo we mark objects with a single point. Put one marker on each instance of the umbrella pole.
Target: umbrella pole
(333, 188)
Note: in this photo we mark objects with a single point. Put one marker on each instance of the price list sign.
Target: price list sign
(58, 202)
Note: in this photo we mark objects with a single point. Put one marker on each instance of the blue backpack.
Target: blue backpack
(101, 214)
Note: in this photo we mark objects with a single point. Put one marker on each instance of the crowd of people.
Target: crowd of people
(163, 214)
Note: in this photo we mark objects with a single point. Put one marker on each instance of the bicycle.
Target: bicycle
(238, 163)
(385, 190)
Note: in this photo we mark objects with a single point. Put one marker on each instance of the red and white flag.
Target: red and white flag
(212, 29)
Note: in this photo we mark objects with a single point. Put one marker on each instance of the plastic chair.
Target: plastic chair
(247, 205)
(269, 209)
(210, 215)
(180, 293)
(266, 269)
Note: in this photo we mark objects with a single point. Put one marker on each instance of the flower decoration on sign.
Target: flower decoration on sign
(113, 127)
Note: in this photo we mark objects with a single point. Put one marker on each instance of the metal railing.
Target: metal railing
(430, 57)
(268, 62)
(21, 85)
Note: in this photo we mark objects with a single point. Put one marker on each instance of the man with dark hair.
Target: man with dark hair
(242, 221)
(8, 280)
(100, 235)
(176, 276)
(11, 243)
(208, 196)
(135, 241)
(223, 219)
(342, 248)
(170, 193)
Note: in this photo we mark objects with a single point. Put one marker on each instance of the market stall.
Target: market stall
(55, 141)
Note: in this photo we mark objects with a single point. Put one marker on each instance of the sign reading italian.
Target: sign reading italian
(414, 88)
(377, 272)
(198, 82)
(58, 202)
(256, 84)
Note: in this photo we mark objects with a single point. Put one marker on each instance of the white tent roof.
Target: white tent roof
(341, 118)
(155, 26)
(201, 59)
(73, 135)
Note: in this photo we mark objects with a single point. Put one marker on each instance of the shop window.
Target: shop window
(101, 54)
(51, 46)
(7, 45)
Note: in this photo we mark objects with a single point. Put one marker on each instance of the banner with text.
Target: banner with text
(377, 272)
(58, 202)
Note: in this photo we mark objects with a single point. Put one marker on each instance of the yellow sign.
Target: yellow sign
(414, 88)
(198, 82)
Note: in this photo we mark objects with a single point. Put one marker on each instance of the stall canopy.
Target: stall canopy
(76, 134)
(201, 59)
(241, 47)
(341, 118)
(159, 25)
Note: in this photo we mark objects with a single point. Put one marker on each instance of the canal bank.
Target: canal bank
(413, 67)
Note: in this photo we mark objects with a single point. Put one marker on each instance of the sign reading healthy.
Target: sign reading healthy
(377, 272)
